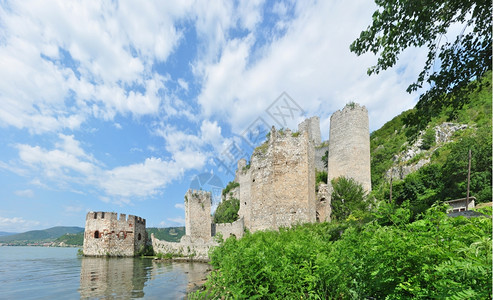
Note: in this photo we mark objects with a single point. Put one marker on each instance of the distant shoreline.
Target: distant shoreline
(44, 246)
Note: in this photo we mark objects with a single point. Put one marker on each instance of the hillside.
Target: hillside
(4, 233)
(39, 236)
(170, 234)
(425, 150)
(71, 239)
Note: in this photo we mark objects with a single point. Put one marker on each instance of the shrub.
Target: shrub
(227, 211)
(348, 198)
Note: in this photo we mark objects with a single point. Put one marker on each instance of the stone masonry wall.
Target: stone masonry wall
(188, 246)
(324, 209)
(349, 145)
(198, 214)
(244, 178)
(282, 183)
(312, 126)
(107, 235)
(319, 153)
(236, 228)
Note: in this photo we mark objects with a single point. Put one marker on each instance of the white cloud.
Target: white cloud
(143, 179)
(17, 224)
(178, 220)
(183, 84)
(312, 63)
(180, 206)
(69, 164)
(25, 193)
(99, 54)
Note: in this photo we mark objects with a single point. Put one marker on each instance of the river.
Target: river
(58, 273)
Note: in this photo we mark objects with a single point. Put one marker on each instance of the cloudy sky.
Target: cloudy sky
(118, 106)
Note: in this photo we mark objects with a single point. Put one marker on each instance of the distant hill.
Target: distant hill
(170, 234)
(71, 239)
(4, 233)
(46, 235)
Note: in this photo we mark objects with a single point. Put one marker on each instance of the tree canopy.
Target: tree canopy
(401, 24)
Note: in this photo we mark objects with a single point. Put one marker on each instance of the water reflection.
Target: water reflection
(122, 277)
(128, 278)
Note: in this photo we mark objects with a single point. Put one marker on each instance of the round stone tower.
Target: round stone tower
(349, 145)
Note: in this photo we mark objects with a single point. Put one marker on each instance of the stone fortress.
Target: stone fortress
(277, 188)
(107, 235)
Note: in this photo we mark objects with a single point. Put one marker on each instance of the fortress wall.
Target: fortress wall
(188, 246)
(140, 233)
(244, 178)
(324, 209)
(198, 214)
(312, 126)
(349, 145)
(236, 228)
(319, 153)
(107, 235)
(282, 182)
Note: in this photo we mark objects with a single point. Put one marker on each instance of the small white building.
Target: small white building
(458, 205)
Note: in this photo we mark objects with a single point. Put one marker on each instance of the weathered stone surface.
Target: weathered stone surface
(349, 145)
(278, 189)
(312, 127)
(107, 235)
(324, 208)
(319, 153)
(444, 131)
(443, 135)
(188, 246)
(401, 171)
(236, 229)
(198, 214)
(234, 193)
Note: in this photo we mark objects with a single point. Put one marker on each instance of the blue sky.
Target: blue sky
(118, 106)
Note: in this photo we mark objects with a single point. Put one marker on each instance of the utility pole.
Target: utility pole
(391, 176)
(468, 180)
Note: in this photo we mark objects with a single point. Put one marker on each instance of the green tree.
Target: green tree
(227, 211)
(348, 198)
(401, 24)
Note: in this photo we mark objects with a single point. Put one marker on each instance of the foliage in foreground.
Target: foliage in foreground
(227, 211)
(434, 257)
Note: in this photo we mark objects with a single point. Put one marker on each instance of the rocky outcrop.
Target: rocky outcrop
(402, 166)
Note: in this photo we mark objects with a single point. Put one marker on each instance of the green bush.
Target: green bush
(348, 198)
(227, 211)
(428, 139)
(231, 185)
(435, 257)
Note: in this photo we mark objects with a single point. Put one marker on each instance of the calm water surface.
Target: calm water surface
(57, 273)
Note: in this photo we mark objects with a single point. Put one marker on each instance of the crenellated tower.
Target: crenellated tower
(107, 235)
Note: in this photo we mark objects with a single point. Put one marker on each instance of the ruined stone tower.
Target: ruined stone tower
(198, 214)
(278, 189)
(107, 235)
(349, 145)
(312, 126)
